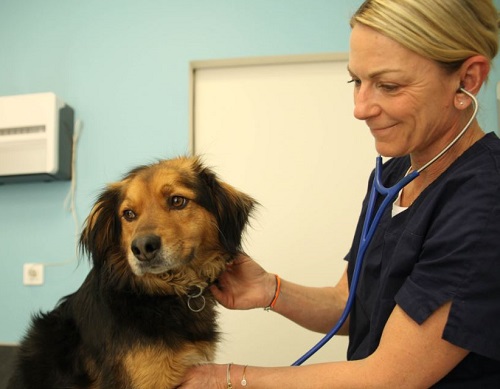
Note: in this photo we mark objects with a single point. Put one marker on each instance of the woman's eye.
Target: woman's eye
(129, 215)
(389, 87)
(178, 202)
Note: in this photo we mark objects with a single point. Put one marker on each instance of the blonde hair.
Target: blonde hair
(446, 31)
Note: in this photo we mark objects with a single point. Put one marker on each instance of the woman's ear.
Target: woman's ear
(473, 73)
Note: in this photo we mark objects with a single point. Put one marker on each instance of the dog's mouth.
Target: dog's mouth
(148, 255)
(162, 265)
(157, 266)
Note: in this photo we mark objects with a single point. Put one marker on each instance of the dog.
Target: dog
(157, 240)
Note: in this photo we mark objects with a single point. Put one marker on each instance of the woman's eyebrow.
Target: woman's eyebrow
(377, 73)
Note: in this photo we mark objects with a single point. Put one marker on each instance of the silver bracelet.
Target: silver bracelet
(228, 376)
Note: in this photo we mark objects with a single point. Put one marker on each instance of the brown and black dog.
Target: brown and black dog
(157, 239)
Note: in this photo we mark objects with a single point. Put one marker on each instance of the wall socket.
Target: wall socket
(33, 274)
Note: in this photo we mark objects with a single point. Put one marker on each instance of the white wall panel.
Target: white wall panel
(283, 131)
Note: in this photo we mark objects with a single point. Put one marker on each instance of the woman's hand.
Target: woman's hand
(244, 285)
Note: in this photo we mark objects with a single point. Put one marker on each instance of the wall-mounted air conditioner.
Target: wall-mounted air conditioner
(36, 138)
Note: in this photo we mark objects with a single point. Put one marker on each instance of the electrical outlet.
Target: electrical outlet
(33, 274)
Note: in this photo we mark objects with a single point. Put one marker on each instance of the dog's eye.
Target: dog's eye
(129, 215)
(178, 202)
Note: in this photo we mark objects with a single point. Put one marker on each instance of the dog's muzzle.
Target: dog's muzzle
(149, 255)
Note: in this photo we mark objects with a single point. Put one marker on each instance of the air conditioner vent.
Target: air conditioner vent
(21, 130)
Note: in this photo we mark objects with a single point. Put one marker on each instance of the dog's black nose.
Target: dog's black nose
(145, 247)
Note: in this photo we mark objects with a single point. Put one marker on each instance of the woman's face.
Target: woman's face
(406, 100)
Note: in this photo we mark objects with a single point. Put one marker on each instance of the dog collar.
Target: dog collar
(197, 294)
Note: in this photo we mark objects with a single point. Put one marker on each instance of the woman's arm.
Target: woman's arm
(409, 356)
(315, 308)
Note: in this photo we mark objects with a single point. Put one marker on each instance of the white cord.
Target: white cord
(70, 201)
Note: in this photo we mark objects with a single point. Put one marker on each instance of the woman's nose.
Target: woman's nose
(365, 105)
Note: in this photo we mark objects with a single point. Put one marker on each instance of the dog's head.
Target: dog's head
(166, 227)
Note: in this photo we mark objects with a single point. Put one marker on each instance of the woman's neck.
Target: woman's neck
(430, 174)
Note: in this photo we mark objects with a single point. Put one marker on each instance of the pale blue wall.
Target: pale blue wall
(123, 65)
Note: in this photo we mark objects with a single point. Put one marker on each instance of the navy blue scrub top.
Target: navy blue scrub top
(444, 247)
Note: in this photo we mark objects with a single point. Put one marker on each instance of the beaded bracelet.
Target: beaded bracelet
(244, 378)
(276, 294)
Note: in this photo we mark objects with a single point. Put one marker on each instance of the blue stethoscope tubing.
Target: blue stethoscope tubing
(371, 222)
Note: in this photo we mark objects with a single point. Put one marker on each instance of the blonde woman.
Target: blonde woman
(427, 308)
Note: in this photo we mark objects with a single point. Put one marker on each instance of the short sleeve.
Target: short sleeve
(460, 262)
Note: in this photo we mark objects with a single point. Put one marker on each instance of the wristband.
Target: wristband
(276, 294)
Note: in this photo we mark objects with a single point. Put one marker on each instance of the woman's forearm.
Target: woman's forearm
(314, 308)
(316, 376)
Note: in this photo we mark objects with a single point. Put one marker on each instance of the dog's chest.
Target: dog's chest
(150, 367)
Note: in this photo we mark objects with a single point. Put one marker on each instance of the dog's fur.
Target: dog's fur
(163, 233)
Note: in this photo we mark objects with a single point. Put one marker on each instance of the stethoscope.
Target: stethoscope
(372, 220)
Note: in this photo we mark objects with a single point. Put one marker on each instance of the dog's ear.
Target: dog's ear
(101, 232)
(231, 208)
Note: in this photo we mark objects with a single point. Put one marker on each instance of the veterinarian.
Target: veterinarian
(427, 307)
